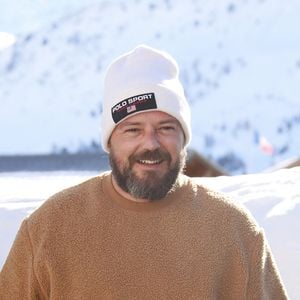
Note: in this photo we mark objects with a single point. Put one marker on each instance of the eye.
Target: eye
(132, 130)
(168, 128)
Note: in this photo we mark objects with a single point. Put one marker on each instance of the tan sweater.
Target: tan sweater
(87, 242)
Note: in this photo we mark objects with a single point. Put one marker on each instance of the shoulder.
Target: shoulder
(222, 208)
(69, 202)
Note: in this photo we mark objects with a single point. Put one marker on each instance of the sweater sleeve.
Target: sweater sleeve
(264, 279)
(17, 278)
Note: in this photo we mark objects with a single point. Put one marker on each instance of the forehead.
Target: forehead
(153, 117)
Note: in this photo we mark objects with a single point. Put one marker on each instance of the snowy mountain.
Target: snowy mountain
(240, 66)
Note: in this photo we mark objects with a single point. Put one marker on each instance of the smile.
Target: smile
(150, 162)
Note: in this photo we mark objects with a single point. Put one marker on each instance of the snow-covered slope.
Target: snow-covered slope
(240, 65)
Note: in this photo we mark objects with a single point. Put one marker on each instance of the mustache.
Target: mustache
(150, 155)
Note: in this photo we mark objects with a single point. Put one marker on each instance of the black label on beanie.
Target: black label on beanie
(132, 105)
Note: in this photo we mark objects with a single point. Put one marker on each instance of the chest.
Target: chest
(146, 256)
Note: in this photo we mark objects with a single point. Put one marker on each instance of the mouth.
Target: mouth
(149, 162)
(156, 160)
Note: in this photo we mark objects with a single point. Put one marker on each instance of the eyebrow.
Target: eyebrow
(129, 123)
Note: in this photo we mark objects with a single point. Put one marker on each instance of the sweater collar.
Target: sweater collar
(178, 193)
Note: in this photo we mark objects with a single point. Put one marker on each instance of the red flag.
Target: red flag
(265, 146)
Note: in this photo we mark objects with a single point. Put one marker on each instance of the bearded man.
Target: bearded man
(142, 230)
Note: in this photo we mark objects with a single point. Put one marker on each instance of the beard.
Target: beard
(149, 186)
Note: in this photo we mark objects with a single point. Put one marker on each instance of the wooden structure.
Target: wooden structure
(199, 166)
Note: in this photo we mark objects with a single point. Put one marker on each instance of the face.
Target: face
(146, 154)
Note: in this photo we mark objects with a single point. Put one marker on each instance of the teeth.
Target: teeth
(149, 162)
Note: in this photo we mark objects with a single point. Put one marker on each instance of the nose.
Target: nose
(151, 140)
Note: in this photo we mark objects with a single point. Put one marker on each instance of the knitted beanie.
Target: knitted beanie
(144, 79)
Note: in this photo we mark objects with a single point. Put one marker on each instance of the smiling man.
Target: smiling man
(146, 154)
(142, 230)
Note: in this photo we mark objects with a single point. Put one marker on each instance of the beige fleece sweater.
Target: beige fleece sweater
(87, 242)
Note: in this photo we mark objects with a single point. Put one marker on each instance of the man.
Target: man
(143, 230)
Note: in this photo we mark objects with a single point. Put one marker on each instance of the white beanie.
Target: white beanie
(144, 79)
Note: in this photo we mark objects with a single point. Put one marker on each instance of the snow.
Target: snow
(273, 198)
(6, 40)
(239, 61)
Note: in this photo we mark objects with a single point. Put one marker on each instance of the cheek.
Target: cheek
(122, 145)
(175, 150)
(120, 153)
(176, 144)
